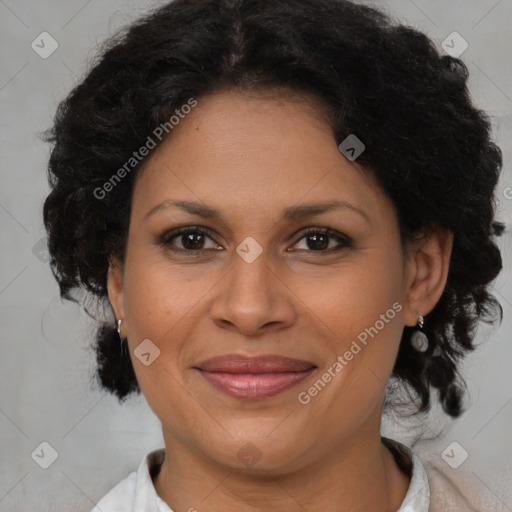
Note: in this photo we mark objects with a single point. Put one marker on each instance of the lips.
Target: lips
(252, 377)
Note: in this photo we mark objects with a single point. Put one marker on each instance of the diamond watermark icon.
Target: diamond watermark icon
(249, 454)
(351, 147)
(249, 249)
(40, 250)
(146, 352)
(454, 455)
(44, 455)
(454, 45)
(44, 45)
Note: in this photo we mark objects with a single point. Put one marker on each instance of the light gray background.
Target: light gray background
(46, 361)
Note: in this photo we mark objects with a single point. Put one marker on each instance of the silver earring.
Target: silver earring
(121, 339)
(119, 328)
(419, 339)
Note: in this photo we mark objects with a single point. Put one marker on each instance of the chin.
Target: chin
(255, 451)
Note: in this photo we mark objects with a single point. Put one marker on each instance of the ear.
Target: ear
(115, 288)
(427, 267)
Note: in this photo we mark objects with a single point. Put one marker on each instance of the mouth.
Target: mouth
(256, 376)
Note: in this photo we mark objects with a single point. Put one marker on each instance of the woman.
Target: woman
(284, 205)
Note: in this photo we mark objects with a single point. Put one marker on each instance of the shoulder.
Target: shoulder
(445, 494)
(432, 488)
(136, 492)
(452, 489)
(120, 498)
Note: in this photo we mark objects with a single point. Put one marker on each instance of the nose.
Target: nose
(253, 298)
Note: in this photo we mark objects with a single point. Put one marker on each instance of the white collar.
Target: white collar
(417, 498)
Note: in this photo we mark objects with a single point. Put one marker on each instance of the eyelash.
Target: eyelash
(165, 240)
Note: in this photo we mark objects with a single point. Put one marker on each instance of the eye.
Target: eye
(319, 239)
(191, 238)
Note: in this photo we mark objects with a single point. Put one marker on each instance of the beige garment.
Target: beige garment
(445, 496)
(459, 490)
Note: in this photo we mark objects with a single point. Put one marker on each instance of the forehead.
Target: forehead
(251, 149)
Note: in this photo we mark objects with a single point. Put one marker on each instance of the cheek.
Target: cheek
(351, 297)
(158, 296)
(158, 309)
(361, 307)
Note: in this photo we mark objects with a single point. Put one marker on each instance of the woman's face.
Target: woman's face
(258, 284)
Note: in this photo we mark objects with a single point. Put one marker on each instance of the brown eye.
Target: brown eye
(192, 240)
(319, 240)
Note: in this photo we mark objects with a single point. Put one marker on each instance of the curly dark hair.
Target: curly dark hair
(427, 146)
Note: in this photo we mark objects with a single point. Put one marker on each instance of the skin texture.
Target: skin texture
(251, 156)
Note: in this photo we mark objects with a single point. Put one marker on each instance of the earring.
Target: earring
(419, 339)
(119, 328)
(121, 339)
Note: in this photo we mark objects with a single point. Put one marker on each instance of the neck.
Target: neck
(361, 475)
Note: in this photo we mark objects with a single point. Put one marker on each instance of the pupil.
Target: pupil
(322, 245)
(188, 240)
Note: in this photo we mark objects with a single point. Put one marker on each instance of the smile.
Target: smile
(252, 377)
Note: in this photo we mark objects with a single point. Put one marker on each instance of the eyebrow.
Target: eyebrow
(291, 213)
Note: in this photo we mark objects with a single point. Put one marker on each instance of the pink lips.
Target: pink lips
(254, 377)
